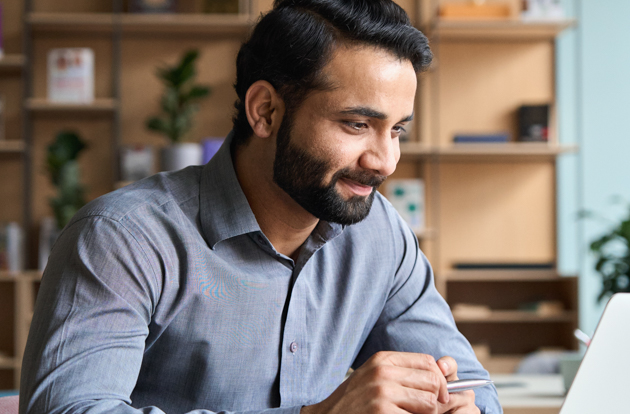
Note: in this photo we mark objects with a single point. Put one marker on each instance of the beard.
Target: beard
(301, 175)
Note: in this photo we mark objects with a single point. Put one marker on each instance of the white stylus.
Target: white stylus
(466, 384)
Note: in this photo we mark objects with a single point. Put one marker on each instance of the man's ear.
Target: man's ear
(264, 108)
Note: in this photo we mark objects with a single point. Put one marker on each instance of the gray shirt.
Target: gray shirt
(166, 296)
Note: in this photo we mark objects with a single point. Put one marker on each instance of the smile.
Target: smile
(356, 188)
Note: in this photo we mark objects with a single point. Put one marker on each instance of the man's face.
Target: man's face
(341, 144)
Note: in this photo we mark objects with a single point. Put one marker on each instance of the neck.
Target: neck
(285, 223)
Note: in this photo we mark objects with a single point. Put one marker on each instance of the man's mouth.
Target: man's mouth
(356, 187)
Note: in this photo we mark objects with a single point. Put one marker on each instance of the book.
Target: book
(407, 197)
(11, 247)
(71, 75)
(480, 138)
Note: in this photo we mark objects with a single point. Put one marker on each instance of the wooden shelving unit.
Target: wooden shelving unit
(501, 276)
(516, 316)
(97, 106)
(12, 62)
(492, 203)
(71, 22)
(127, 92)
(510, 150)
(509, 29)
(12, 146)
(197, 24)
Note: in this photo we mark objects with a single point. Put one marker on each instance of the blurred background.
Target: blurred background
(516, 162)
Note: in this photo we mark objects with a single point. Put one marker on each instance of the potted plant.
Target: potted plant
(64, 172)
(62, 164)
(179, 105)
(612, 255)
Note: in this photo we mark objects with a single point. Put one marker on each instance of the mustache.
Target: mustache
(361, 177)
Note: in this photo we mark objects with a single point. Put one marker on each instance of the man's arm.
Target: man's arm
(91, 320)
(417, 319)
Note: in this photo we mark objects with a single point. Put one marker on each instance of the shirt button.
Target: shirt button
(293, 347)
(261, 240)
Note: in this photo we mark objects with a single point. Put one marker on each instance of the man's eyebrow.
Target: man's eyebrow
(370, 113)
(364, 111)
(408, 118)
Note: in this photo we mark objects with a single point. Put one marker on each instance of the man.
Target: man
(253, 283)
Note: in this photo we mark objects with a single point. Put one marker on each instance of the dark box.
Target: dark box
(533, 123)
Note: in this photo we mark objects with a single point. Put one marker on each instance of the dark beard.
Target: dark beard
(301, 176)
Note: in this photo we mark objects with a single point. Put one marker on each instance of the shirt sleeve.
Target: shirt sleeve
(416, 318)
(91, 319)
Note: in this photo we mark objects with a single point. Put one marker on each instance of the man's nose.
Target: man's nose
(382, 155)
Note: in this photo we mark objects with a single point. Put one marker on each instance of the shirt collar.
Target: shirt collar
(225, 211)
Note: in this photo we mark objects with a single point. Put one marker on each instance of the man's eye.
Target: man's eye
(356, 125)
(399, 129)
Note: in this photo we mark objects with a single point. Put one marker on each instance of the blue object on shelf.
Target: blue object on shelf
(8, 393)
(481, 138)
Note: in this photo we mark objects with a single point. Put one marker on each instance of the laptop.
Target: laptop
(602, 383)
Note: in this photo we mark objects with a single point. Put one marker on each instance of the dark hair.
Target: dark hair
(292, 43)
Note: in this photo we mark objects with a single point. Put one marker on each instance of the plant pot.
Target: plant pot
(178, 156)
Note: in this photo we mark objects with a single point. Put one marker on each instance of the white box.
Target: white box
(11, 247)
(71, 75)
(407, 197)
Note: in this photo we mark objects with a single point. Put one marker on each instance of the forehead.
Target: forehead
(367, 75)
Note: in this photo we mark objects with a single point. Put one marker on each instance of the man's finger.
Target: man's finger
(448, 367)
(416, 361)
(460, 403)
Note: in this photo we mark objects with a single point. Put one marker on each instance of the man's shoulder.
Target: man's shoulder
(382, 222)
(384, 214)
(160, 192)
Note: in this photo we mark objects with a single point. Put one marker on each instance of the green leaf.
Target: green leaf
(158, 125)
(176, 101)
(197, 92)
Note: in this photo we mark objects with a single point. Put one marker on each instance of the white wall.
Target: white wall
(593, 91)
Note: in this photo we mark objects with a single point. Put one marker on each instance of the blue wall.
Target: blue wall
(593, 92)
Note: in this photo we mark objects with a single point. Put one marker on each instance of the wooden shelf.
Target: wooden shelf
(12, 146)
(142, 23)
(71, 22)
(8, 363)
(187, 23)
(12, 62)
(98, 106)
(508, 29)
(485, 152)
(415, 149)
(503, 276)
(503, 364)
(517, 316)
(32, 275)
(426, 234)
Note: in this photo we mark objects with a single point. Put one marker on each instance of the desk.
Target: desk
(529, 394)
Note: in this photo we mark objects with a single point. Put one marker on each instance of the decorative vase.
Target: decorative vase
(181, 155)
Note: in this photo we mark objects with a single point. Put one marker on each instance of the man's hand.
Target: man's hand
(460, 402)
(398, 382)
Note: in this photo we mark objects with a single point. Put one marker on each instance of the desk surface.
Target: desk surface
(529, 391)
